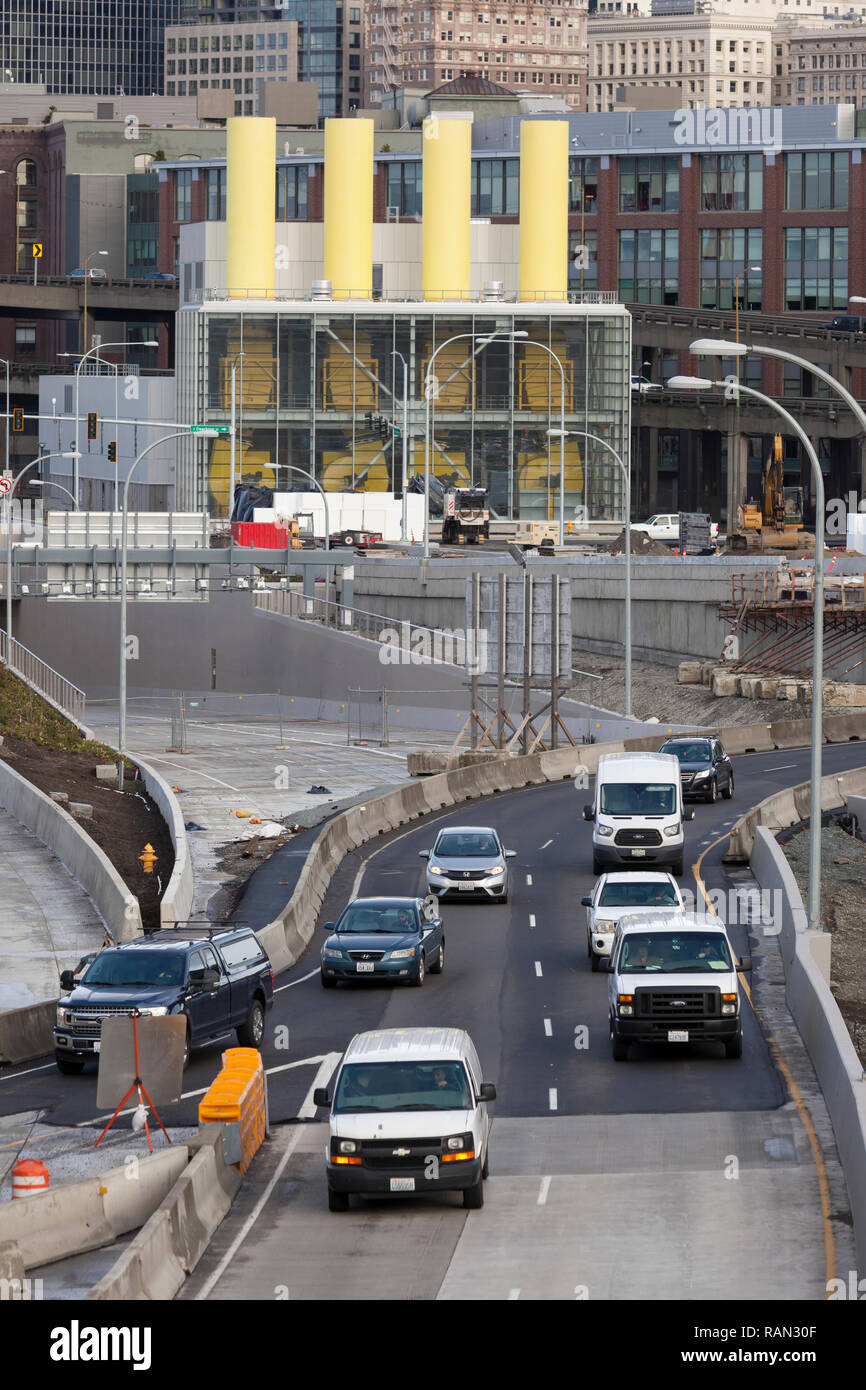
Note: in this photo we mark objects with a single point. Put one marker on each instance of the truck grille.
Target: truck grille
(638, 837)
(87, 1023)
(671, 1005)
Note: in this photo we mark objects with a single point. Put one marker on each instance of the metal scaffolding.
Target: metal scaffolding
(771, 612)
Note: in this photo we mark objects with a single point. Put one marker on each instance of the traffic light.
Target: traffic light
(91, 424)
(112, 451)
(368, 420)
(17, 419)
(384, 428)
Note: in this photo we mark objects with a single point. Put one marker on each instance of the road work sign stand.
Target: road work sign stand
(131, 1046)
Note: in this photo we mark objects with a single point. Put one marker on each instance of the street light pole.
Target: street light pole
(178, 434)
(83, 339)
(562, 433)
(99, 347)
(43, 458)
(232, 435)
(484, 339)
(626, 473)
(403, 520)
(6, 454)
(700, 384)
(39, 482)
(293, 468)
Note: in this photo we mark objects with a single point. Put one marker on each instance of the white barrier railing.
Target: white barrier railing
(68, 698)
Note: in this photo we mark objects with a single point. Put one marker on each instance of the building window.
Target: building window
(732, 182)
(144, 205)
(816, 181)
(649, 266)
(215, 190)
(649, 184)
(582, 183)
(25, 339)
(495, 187)
(583, 260)
(816, 267)
(291, 193)
(182, 194)
(728, 255)
(404, 188)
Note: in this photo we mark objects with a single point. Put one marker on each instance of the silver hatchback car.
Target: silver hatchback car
(468, 861)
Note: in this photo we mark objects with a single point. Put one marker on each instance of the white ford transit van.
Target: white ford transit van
(638, 812)
(409, 1114)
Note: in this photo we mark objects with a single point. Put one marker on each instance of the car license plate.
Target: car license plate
(97, 1046)
(466, 887)
(364, 967)
(638, 853)
(677, 1035)
(402, 1184)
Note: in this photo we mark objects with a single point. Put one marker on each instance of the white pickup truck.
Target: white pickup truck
(665, 526)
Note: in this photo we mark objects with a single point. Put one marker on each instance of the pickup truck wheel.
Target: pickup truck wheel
(596, 866)
(338, 1201)
(595, 960)
(250, 1034)
(485, 1169)
(734, 1046)
(67, 1067)
(473, 1197)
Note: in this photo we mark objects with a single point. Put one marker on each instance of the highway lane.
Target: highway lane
(517, 976)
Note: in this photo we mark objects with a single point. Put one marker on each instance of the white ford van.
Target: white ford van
(409, 1114)
(674, 981)
(638, 812)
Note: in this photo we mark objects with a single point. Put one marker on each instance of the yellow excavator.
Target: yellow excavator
(777, 523)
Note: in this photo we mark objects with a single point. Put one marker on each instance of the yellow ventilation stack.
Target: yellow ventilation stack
(251, 161)
(543, 210)
(447, 171)
(349, 208)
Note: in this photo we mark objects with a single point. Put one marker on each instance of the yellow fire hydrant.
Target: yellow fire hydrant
(148, 859)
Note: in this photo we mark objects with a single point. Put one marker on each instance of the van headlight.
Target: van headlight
(671, 830)
(729, 1004)
(63, 1015)
(604, 830)
(347, 1146)
(603, 926)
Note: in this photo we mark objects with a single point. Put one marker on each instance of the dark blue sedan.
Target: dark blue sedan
(385, 938)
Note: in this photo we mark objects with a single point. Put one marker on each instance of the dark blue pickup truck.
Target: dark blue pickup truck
(221, 980)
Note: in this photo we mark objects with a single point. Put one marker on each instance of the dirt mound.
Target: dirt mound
(641, 544)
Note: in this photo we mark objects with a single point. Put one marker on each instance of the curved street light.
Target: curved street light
(43, 458)
(731, 388)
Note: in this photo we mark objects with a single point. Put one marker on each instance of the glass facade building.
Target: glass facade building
(312, 372)
(100, 47)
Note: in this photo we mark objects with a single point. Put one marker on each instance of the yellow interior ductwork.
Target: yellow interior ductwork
(256, 371)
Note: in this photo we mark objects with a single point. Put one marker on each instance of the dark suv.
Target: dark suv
(705, 768)
(220, 980)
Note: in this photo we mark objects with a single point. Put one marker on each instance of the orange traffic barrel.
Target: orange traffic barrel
(29, 1176)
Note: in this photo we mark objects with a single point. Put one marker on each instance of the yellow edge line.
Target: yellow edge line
(817, 1155)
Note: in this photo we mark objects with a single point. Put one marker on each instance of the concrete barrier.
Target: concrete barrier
(176, 902)
(857, 806)
(791, 733)
(844, 728)
(171, 1242)
(816, 1014)
(115, 903)
(749, 738)
(27, 1033)
(80, 1216)
(788, 807)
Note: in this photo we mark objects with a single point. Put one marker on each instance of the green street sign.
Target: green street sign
(210, 429)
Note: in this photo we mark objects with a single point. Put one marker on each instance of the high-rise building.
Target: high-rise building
(531, 48)
(327, 50)
(80, 46)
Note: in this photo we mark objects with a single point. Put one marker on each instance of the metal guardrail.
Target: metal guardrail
(722, 322)
(337, 295)
(43, 678)
(292, 604)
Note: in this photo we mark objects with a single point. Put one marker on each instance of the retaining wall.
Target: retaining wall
(817, 1016)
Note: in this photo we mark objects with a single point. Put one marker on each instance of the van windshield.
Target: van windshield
(667, 953)
(379, 1086)
(638, 799)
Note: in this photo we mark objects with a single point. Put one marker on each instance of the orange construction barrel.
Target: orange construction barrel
(29, 1176)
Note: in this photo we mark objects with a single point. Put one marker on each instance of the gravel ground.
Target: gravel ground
(843, 876)
(655, 693)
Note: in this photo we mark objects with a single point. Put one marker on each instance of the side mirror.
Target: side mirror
(423, 854)
(587, 813)
(329, 926)
(586, 902)
(67, 979)
(511, 854)
(688, 813)
(487, 1091)
(210, 978)
(321, 1097)
(604, 964)
(196, 979)
(745, 963)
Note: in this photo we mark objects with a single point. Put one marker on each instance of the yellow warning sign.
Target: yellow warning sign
(37, 250)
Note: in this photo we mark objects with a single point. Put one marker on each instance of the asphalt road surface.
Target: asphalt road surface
(571, 1125)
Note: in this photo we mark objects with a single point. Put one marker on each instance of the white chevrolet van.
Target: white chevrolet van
(409, 1114)
(638, 812)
